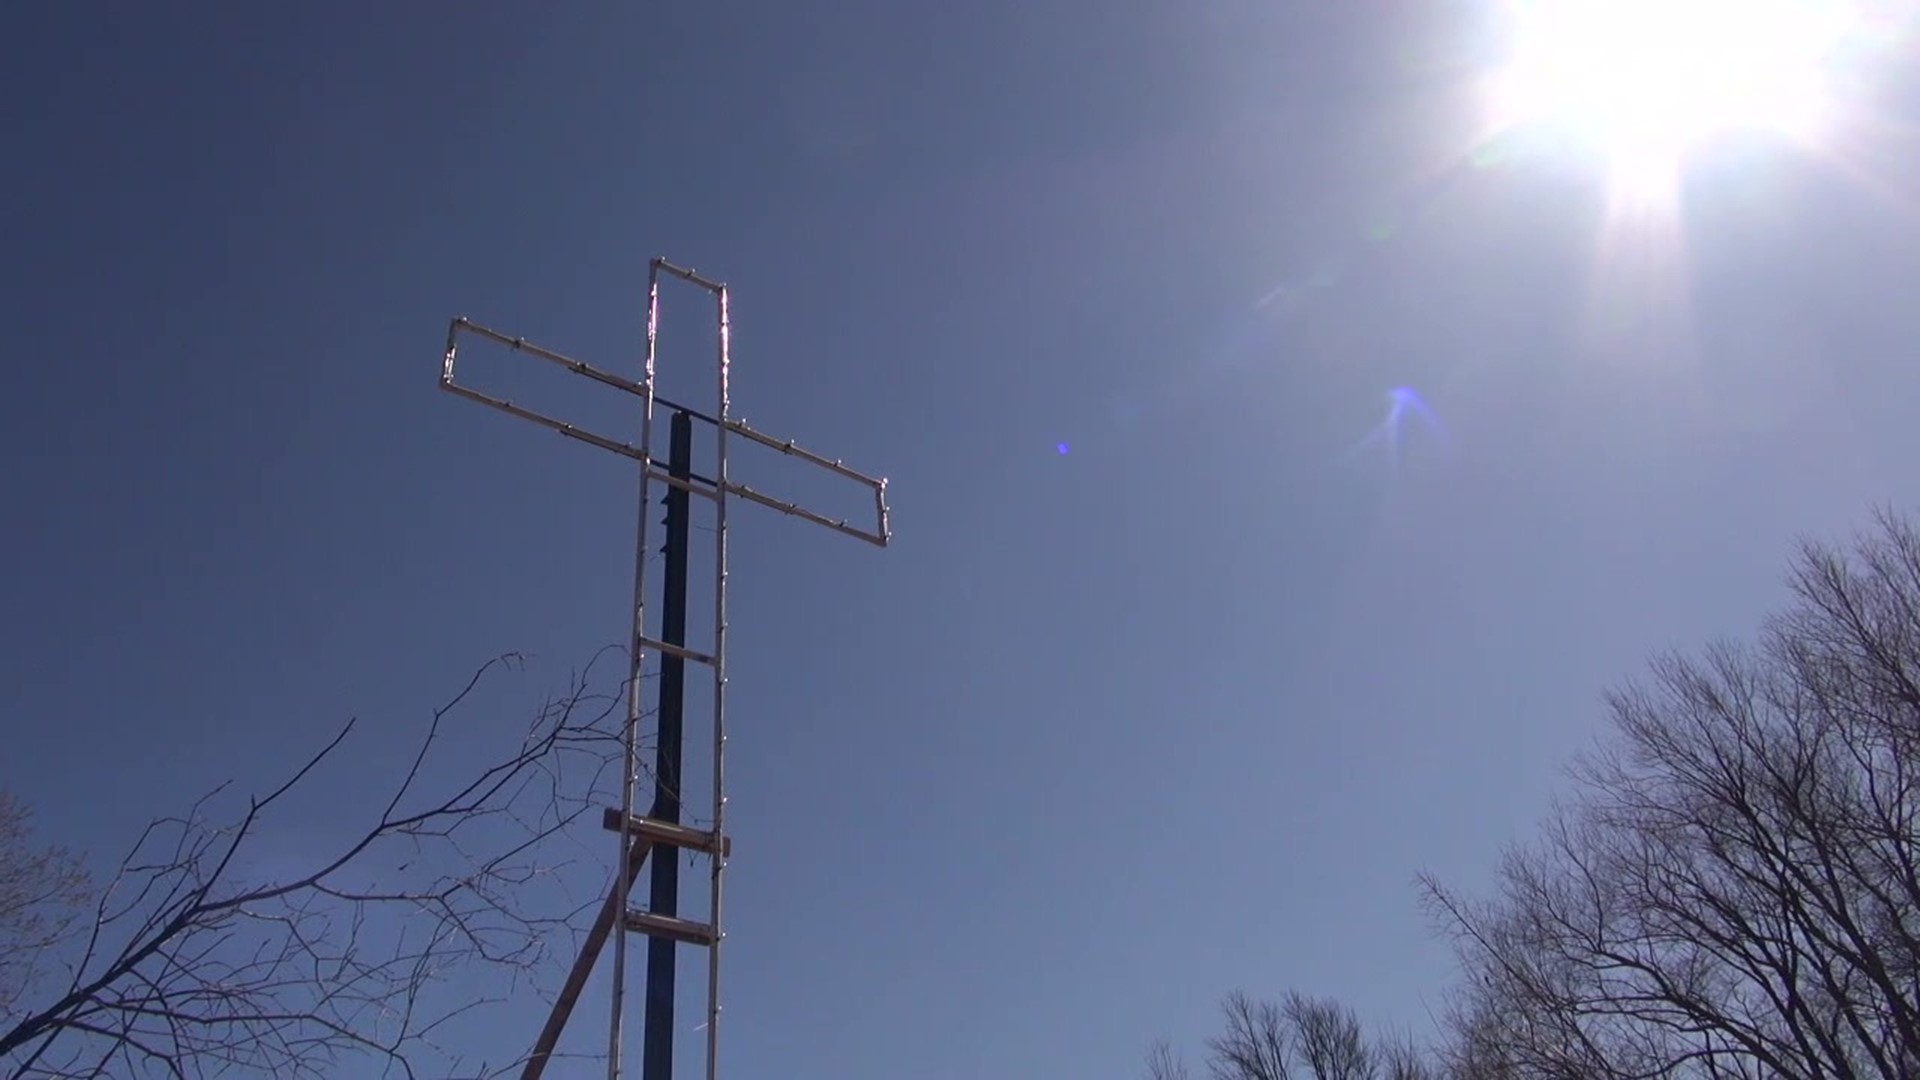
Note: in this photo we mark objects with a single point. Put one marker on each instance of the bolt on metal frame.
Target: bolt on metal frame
(639, 833)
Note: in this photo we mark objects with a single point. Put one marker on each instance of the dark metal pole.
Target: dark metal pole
(664, 898)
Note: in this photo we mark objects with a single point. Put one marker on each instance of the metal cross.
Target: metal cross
(660, 831)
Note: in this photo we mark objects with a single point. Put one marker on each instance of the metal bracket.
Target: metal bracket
(665, 832)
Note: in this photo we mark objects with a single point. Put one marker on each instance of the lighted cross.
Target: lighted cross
(660, 829)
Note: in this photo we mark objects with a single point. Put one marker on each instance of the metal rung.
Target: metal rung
(684, 931)
(666, 832)
(675, 650)
(689, 485)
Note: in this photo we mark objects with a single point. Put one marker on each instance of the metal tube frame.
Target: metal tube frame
(635, 831)
(718, 864)
(879, 535)
(630, 735)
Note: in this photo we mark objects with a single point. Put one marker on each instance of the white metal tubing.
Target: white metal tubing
(788, 447)
(561, 426)
(880, 535)
(453, 345)
(724, 360)
(691, 487)
(578, 367)
(571, 431)
(839, 525)
(685, 274)
(630, 738)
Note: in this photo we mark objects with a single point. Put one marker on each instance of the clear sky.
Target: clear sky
(1107, 732)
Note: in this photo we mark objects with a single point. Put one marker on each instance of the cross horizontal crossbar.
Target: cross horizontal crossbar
(878, 535)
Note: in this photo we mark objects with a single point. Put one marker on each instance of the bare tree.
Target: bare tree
(1299, 1037)
(1256, 1045)
(42, 891)
(1401, 1059)
(1328, 1039)
(193, 961)
(1164, 1064)
(1734, 890)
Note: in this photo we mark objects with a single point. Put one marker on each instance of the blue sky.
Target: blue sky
(1105, 734)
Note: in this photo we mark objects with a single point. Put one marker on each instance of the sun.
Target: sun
(1643, 81)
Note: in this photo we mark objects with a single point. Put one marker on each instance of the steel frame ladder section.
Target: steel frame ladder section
(639, 833)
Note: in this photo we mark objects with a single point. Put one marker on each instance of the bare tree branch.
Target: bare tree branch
(1164, 1064)
(193, 966)
(1733, 890)
(42, 893)
(1256, 1044)
(1327, 1038)
(1310, 1038)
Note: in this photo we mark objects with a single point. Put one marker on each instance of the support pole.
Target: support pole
(603, 925)
(664, 899)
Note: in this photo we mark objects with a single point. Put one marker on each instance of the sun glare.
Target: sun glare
(1643, 80)
(1648, 90)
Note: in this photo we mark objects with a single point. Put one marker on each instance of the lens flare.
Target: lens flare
(1402, 402)
(1643, 81)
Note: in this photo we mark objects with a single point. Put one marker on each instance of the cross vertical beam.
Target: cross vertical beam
(656, 1062)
